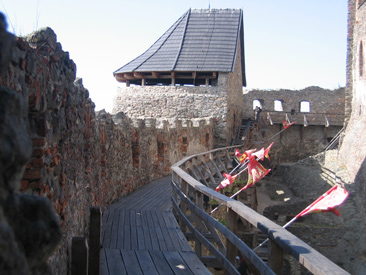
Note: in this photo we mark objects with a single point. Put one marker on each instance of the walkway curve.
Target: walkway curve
(141, 236)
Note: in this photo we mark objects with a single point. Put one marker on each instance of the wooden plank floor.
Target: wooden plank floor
(141, 235)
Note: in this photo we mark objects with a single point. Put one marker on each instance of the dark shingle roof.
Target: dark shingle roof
(200, 40)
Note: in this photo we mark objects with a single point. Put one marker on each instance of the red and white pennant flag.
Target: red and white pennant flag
(327, 202)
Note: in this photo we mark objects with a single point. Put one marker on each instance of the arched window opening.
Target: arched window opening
(278, 106)
(256, 103)
(361, 59)
(305, 106)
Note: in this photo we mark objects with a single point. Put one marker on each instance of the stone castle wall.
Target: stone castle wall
(187, 102)
(171, 102)
(322, 102)
(235, 98)
(301, 139)
(353, 150)
(29, 227)
(174, 102)
(81, 158)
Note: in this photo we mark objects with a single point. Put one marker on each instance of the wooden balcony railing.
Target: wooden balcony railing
(217, 245)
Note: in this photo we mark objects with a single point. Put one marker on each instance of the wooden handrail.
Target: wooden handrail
(280, 237)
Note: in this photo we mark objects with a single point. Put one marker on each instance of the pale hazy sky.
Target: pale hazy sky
(288, 44)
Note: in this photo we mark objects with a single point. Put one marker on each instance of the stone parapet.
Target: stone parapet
(82, 158)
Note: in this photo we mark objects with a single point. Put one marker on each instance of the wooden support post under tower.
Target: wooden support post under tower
(172, 74)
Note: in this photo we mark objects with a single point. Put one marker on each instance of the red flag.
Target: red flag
(244, 156)
(327, 202)
(286, 124)
(226, 182)
(255, 172)
(266, 152)
(259, 154)
(263, 153)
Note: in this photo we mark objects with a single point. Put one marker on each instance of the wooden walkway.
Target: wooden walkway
(141, 235)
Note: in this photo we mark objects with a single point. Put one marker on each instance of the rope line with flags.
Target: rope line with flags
(327, 202)
(247, 162)
(255, 170)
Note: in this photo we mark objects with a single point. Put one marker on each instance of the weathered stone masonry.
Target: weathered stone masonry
(353, 151)
(29, 228)
(190, 102)
(81, 158)
(300, 140)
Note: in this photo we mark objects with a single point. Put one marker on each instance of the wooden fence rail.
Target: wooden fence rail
(192, 180)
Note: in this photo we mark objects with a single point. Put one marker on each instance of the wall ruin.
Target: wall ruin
(313, 129)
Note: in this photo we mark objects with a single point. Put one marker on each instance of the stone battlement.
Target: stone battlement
(80, 157)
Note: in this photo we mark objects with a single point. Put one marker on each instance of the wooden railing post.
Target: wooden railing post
(232, 225)
(198, 221)
(225, 257)
(275, 257)
(79, 256)
(95, 232)
(175, 180)
(183, 207)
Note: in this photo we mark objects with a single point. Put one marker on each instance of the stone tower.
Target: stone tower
(194, 70)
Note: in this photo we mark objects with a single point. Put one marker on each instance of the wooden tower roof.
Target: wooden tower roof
(199, 44)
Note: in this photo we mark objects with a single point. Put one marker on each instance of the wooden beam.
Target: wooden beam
(232, 224)
(172, 74)
(187, 75)
(138, 75)
(275, 257)
(128, 76)
(303, 253)
(239, 244)
(120, 77)
(210, 247)
(199, 226)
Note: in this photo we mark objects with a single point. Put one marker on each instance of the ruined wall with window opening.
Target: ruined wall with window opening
(319, 115)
